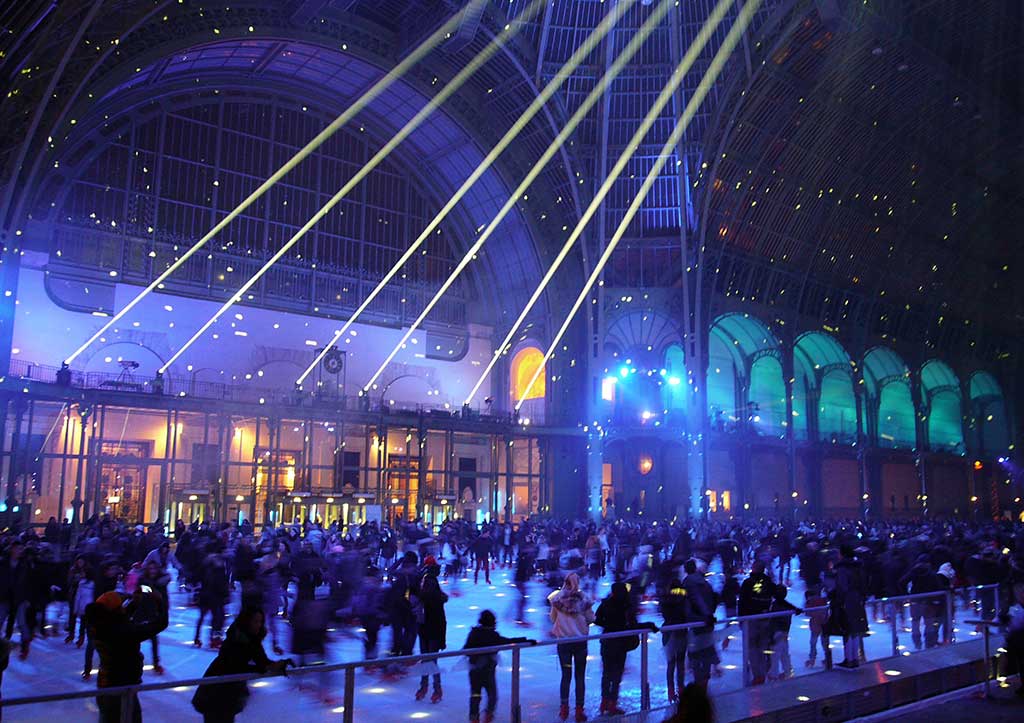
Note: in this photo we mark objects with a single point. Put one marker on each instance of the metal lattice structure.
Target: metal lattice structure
(854, 167)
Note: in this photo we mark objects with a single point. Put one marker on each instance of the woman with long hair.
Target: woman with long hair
(571, 617)
(241, 652)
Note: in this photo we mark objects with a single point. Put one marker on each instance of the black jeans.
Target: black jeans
(613, 665)
(573, 659)
(110, 708)
(481, 680)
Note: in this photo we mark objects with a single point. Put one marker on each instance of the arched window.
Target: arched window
(941, 390)
(888, 386)
(822, 364)
(524, 364)
(736, 342)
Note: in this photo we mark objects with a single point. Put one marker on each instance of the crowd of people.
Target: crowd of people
(108, 586)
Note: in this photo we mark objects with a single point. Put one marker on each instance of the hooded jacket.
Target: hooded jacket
(570, 613)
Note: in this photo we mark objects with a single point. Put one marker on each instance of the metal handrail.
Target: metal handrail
(349, 668)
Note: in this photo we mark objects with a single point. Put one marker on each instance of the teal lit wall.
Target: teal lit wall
(896, 417)
(768, 391)
(837, 410)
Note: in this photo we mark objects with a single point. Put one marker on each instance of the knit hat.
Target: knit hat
(110, 600)
(487, 619)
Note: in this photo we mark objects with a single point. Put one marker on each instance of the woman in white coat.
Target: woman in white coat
(571, 616)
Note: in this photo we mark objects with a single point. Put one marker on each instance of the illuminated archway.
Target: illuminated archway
(743, 348)
(822, 364)
(887, 381)
(524, 364)
(940, 388)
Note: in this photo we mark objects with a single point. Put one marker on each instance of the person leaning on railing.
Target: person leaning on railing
(616, 614)
(241, 652)
(482, 667)
(571, 617)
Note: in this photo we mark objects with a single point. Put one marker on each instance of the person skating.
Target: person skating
(756, 598)
(674, 606)
(241, 652)
(434, 628)
(155, 580)
(482, 667)
(847, 616)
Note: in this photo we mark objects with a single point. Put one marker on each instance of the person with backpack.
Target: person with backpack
(433, 627)
(482, 667)
(616, 614)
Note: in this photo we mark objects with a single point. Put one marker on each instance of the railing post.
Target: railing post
(988, 659)
(517, 711)
(895, 633)
(745, 632)
(350, 696)
(949, 617)
(127, 707)
(645, 682)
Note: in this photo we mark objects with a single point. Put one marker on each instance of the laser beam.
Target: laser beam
(403, 67)
(510, 31)
(587, 47)
(703, 37)
(706, 83)
(631, 49)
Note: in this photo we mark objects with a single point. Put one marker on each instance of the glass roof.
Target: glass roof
(984, 385)
(746, 334)
(883, 366)
(936, 376)
(816, 350)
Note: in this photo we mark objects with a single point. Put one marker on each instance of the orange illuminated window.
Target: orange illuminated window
(727, 501)
(524, 364)
(713, 500)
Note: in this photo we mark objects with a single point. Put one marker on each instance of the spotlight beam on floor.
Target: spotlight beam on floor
(706, 83)
(357, 106)
(632, 48)
(510, 31)
(564, 73)
(654, 113)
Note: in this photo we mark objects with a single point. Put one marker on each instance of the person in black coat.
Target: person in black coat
(241, 652)
(616, 614)
(213, 596)
(847, 615)
(756, 596)
(675, 608)
(482, 667)
(433, 630)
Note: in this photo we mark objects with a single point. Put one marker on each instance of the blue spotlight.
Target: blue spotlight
(624, 372)
(674, 381)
